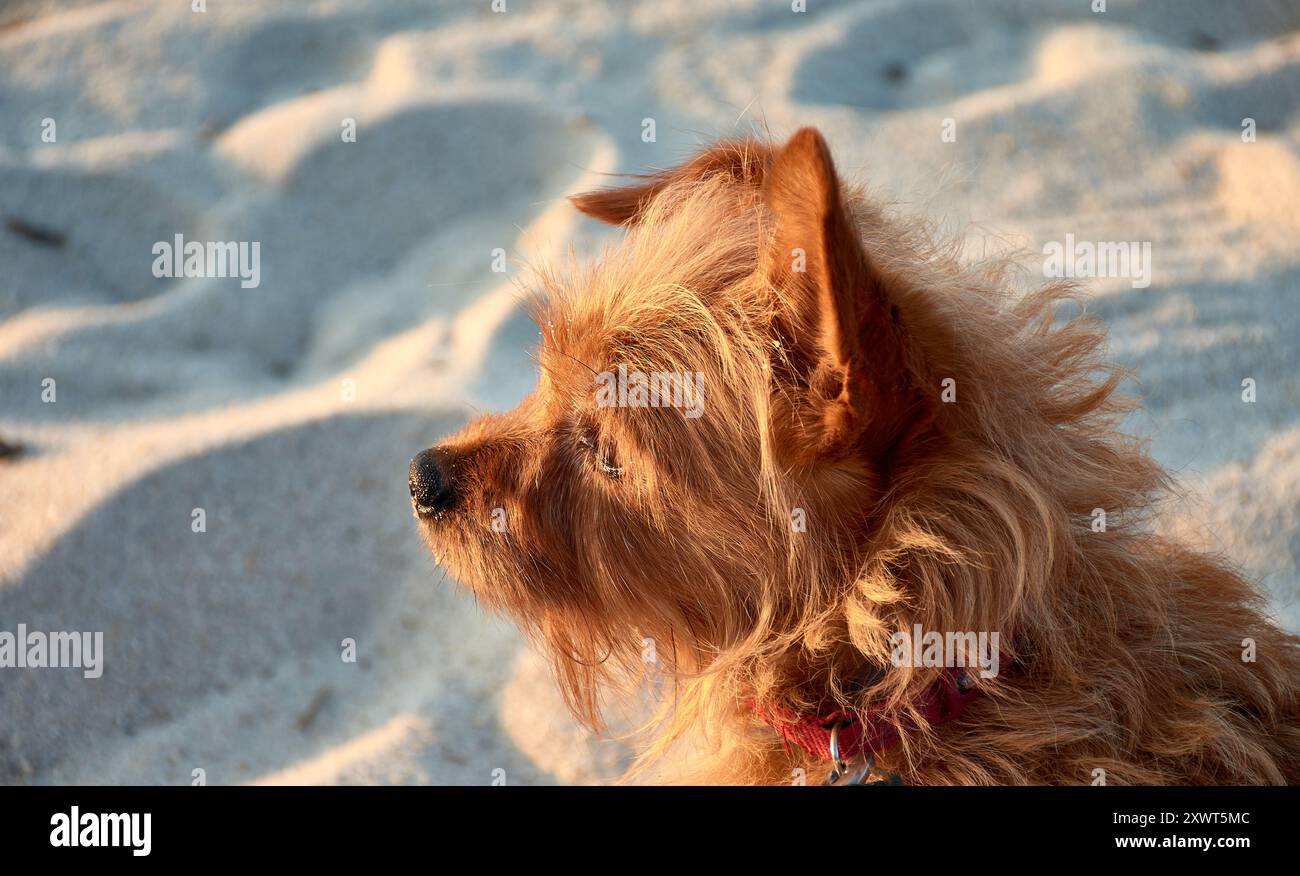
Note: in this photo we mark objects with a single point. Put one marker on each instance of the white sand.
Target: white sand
(223, 647)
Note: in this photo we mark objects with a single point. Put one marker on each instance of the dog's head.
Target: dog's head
(723, 400)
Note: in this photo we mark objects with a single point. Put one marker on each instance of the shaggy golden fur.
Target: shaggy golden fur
(822, 392)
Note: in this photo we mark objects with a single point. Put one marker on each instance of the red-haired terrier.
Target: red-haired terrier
(840, 492)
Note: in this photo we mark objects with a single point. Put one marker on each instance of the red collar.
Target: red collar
(871, 729)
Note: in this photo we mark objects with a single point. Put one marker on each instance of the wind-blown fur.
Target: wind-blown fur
(1123, 650)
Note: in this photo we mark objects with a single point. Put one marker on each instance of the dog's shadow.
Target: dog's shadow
(224, 647)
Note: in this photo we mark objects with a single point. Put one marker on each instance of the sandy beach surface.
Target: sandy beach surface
(287, 411)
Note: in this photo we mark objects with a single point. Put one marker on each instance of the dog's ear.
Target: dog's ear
(744, 161)
(838, 326)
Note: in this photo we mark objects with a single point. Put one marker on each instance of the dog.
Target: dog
(889, 445)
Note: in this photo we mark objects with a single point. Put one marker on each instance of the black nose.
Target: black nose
(430, 486)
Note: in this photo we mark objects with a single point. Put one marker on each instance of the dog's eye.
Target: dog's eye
(602, 451)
